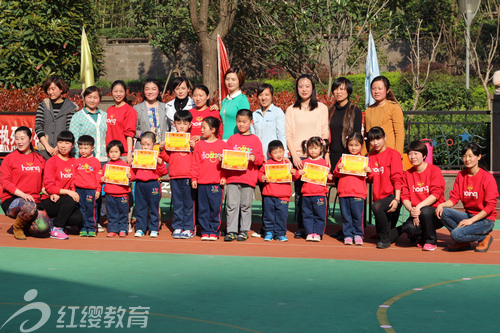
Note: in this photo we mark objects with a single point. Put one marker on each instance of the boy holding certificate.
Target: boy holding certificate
(87, 185)
(276, 175)
(148, 191)
(179, 169)
(241, 183)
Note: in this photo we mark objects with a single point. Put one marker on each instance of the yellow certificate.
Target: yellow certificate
(116, 174)
(177, 142)
(315, 174)
(235, 160)
(354, 164)
(145, 159)
(278, 173)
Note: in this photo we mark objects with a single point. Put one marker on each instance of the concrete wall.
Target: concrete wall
(133, 61)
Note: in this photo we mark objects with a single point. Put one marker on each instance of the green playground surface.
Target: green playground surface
(196, 293)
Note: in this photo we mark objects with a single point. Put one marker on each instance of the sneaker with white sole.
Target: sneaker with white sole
(58, 233)
(186, 234)
(282, 239)
(205, 237)
(310, 237)
(213, 237)
(429, 247)
(153, 234)
(139, 233)
(177, 233)
(358, 240)
(269, 236)
(348, 241)
(316, 238)
(100, 228)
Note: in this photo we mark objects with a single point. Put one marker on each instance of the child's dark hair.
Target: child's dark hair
(115, 143)
(417, 146)
(264, 86)
(375, 133)
(315, 141)
(157, 83)
(178, 81)
(213, 122)
(86, 140)
(275, 144)
(58, 81)
(66, 136)
(245, 113)
(91, 90)
(183, 115)
(356, 136)
(203, 88)
(476, 150)
(148, 135)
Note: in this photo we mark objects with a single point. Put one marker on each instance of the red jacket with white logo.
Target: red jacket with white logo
(310, 189)
(283, 191)
(418, 186)
(206, 165)
(477, 193)
(59, 174)
(116, 190)
(198, 117)
(252, 144)
(387, 172)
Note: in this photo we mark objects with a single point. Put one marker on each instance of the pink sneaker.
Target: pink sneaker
(358, 240)
(310, 238)
(316, 238)
(348, 241)
(58, 233)
(429, 247)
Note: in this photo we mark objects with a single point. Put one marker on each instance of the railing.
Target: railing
(449, 132)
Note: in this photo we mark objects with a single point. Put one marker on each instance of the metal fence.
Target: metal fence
(449, 131)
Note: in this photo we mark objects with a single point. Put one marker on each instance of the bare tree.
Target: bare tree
(418, 80)
(484, 65)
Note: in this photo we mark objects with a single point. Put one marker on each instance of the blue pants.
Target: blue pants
(352, 216)
(183, 204)
(210, 197)
(117, 209)
(87, 205)
(476, 232)
(275, 215)
(314, 211)
(147, 205)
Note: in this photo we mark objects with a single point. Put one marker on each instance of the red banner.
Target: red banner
(223, 67)
(9, 122)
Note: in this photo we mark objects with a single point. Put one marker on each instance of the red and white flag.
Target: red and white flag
(223, 67)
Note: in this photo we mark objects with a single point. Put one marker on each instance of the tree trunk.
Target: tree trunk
(210, 67)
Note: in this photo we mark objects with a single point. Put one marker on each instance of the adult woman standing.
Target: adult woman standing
(181, 87)
(53, 115)
(304, 119)
(235, 101)
(121, 120)
(21, 178)
(477, 189)
(345, 118)
(151, 113)
(386, 113)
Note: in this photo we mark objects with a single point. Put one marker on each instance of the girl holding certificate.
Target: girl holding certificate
(385, 171)
(352, 193)
(314, 202)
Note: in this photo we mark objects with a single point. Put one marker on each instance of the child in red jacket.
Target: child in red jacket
(241, 184)
(276, 196)
(314, 203)
(179, 169)
(148, 192)
(87, 185)
(352, 194)
(206, 176)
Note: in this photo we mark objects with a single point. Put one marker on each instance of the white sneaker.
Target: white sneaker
(100, 228)
(257, 235)
(153, 234)
(139, 233)
(186, 234)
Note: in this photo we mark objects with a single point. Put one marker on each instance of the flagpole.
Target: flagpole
(218, 68)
